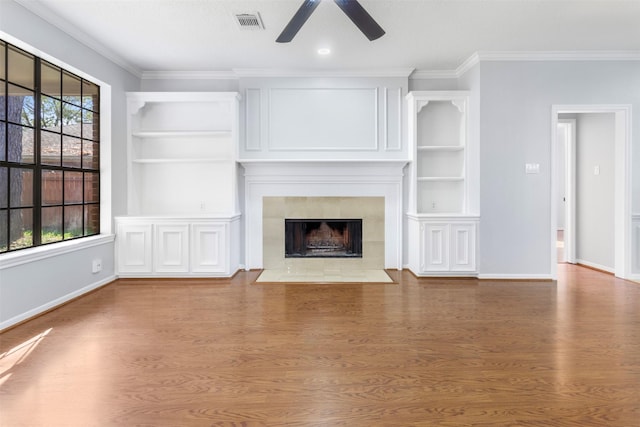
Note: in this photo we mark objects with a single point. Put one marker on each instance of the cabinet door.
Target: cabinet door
(463, 247)
(172, 248)
(134, 248)
(435, 247)
(208, 248)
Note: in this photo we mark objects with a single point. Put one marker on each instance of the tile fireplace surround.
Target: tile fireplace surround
(371, 190)
(369, 209)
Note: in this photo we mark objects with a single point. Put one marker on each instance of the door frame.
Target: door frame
(622, 196)
(570, 189)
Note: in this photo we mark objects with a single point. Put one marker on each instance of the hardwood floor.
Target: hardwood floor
(422, 352)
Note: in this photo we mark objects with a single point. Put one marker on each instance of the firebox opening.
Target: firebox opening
(323, 238)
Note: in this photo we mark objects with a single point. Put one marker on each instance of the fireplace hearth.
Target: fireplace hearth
(323, 238)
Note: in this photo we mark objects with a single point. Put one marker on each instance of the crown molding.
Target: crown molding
(39, 9)
(189, 75)
(578, 55)
(373, 72)
(478, 57)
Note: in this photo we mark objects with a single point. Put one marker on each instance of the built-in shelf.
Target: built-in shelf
(182, 207)
(442, 233)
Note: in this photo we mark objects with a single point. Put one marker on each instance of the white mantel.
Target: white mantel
(310, 178)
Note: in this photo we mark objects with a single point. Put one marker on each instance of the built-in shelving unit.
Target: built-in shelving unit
(442, 230)
(182, 185)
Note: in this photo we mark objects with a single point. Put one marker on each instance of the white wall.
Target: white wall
(515, 128)
(29, 288)
(595, 141)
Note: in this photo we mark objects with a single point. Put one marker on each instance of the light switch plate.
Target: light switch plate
(596, 170)
(532, 168)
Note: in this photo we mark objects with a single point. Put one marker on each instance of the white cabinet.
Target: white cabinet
(133, 247)
(171, 250)
(182, 185)
(444, 246)
(442, 228)
(208, 247)
(178, 247)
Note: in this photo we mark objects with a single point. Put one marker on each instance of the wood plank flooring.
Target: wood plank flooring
(424, 352)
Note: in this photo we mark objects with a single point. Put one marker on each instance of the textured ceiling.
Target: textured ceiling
(202, 35)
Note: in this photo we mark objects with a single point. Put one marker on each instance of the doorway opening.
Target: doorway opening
(564, 222)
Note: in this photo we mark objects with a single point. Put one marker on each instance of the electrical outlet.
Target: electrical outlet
(96, 266)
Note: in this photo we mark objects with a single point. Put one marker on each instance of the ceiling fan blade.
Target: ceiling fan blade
(354, 10)
(298, 20)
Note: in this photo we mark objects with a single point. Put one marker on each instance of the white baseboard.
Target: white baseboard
(515, 277)
(54, 303)
(596, 266)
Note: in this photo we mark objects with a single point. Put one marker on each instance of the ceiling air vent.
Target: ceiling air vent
(249, 21)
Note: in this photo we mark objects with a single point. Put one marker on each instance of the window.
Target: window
(49, 152)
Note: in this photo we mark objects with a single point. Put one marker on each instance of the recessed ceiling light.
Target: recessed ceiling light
(324, 51)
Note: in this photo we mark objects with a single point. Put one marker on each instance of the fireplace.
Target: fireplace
(323, 238)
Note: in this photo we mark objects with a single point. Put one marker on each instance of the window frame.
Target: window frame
(37, 248)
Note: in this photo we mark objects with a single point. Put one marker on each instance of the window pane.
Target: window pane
(71, 87)
(90, 93)
(90, 125)
(73, 221)
(3, 141)
(3, 94)
(50, 114)
(91, 219)
(91, 187)
(21, 66)
(71, 119)
(4, 237)
(51, 224)
(2, 62)
(51, 187)
(72, 187)
(21, 228)
(20, 106)
(20, 187)
(50, 79)
(50, 148)
(20, 144)
(90, 155)
(71, 151)
(4, 188)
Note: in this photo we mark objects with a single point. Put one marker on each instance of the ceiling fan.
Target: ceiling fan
(352, 8)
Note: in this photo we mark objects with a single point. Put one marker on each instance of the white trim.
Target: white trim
(80, 36)
(576, 55)
(105, 136)
(189, 75)
(434, 74)
(323, 179)
(38, 253)
(480, 56)
(275, 72)
(570, 194)
(595, 265)
(515, 277)
(623, 184)
(55, 303)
